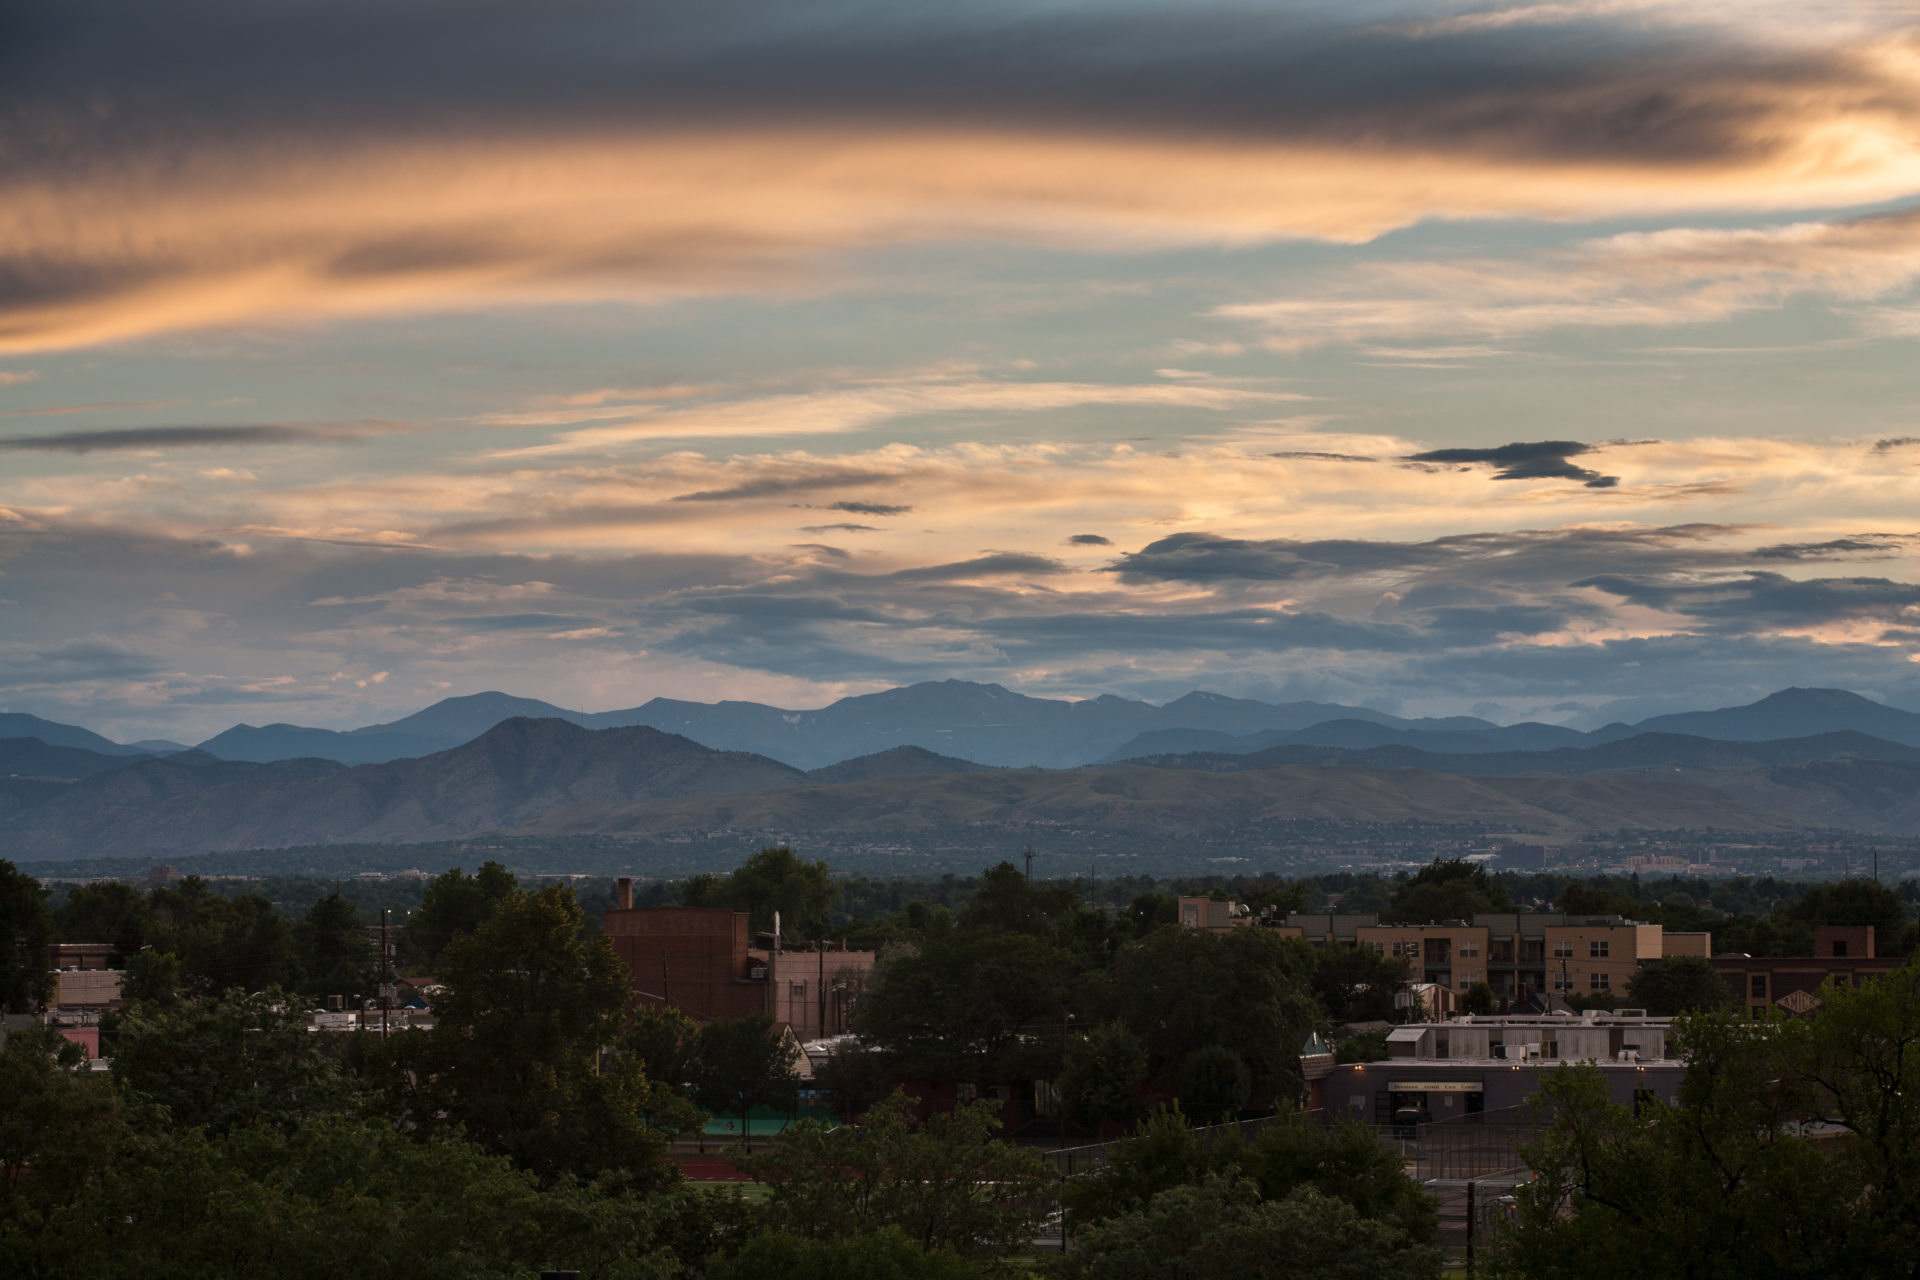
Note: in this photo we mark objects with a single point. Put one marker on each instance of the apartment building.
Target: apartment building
(1518, 954)
(1447, 955)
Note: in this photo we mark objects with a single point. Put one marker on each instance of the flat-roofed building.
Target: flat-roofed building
(1791, 984)
(1466, 1065)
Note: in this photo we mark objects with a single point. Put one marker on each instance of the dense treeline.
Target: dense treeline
(311, 936)
(528, 1127)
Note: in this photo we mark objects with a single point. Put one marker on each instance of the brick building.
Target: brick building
(1791, 984)
(702, 961)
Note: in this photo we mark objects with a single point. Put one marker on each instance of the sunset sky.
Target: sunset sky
(1554, 361)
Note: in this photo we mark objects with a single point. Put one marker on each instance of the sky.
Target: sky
(1538, 361)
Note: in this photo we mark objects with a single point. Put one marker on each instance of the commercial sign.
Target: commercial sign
(1434, 1086)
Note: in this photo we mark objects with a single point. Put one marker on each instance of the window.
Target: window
(1759, 986)
(1563, 949)
(1597, 950)
(1561, 982)
(1378, 948)
(1599, 982)
(1471, 950)
(1411, 950)
(1839, 946)
(1467, 980)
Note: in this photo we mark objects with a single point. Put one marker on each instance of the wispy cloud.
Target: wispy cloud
(1679, 276)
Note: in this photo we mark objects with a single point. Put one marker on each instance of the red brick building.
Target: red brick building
(1790, 984)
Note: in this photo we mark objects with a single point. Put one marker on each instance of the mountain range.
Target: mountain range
(991, 725)
(551, 777)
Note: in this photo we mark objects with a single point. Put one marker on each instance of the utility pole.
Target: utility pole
(666, 992)
(386, 973)
(821, 947)
(1029, 855)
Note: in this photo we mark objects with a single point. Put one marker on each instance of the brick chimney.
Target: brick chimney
(623, 894)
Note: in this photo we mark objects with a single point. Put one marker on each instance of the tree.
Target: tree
(26, 930)
(455, 903)
(335, 953)
(1678, 984)
(230, 1062)
(1856, 902)
(110, 911)
(1446, 889)
(772, 880)
(970, 1007)
(1183, 989)
(59, 1126)
(886, 1254)
(663, 1039)
(1162, 1153)
(1101, 1078)
(1858, 1066)
(946, 1183)
(743, 1063)
(1213, 1083)
(1007, 900)
(1477, 999)
(1224, 1230)
(223, 942)
(515, 1053)
(1357, 984)
(1345, 1161)
(151, 977)
(337, 1197)
(1717, 1188)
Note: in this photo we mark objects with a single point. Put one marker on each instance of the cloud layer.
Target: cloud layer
(202, 166)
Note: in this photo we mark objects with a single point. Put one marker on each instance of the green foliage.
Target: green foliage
(514, 1055)
(978, 1005)
(742, 1063)
(58, 1127)
(1162, 1153)
(772, 880)
(337, 1197)
(1855, 902)
(1357, 984)
(336, 955)
(947, 1184)
(1213, 1083)
(1182, 990)
(662, 1038)
(1103, 1074)
(1478, 999)
(26, 929)
(151, 977)
(222, 942)
(1368, 1047)
(1224, 1230)
(1006, 901)
(232, 1062)
(106, 912)
(453, 904)
(1446, 889)
(1678, 984)
(1344, 1161)
(886, 1254)
(1725, 1185)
